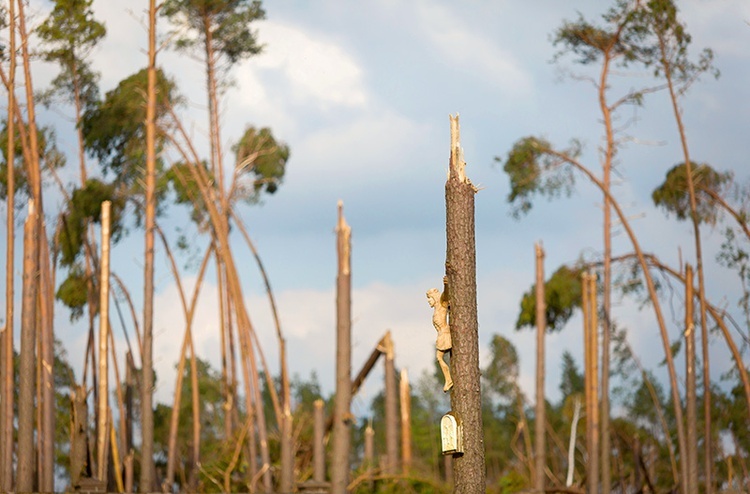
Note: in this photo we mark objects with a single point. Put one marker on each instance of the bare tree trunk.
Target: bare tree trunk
(540, 416)
(369, 456)
(690, 386)
(405, 421)
(6, 367)
(391, 407)
(572, 443)
(148, 481)
(25, 462)
(591, 382)
(103, 404)
(129, 386)
(466, 401)
(319, 452)
(342, 414)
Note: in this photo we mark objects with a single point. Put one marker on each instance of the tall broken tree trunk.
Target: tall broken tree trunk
(391, 407)
(341, 413)
(460, 266)
(148, 482)
(691, 407)
(540, 413)
(319, 452)
(103, 404)
(25, 462)
(405, 421)
(591, 381)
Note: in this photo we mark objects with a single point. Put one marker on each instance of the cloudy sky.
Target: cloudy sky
(361, 92)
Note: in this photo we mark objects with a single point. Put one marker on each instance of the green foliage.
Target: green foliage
(115, 130)
(562, 294)
(69, 34)
(49, 156)
(73, 292)
(261, 159)
(571, 380)
(533, 168)
(187, 191)
(621, 37)
(501, 373)
(85, 206)
(674, 197)
(223, 25)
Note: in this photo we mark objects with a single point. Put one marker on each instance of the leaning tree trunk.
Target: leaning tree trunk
(341, 412)
(460, 265)
(540, 413)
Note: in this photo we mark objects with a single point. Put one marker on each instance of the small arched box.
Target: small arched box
(451, 434)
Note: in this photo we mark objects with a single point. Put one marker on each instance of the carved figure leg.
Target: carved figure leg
(446, 371)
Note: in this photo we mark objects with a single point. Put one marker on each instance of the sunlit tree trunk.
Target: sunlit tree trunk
(319, 452)
(466, 402)
(6, 360)
(103, 404)
(591, 342)
(690, 386)
(405, 400)
(540, 413)
(148, 481)
(341, 412)
(25, 461)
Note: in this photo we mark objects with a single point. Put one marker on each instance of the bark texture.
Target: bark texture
(103, 404)
(391, 408)
(690, 387)
(540, 413)
(342, 413)
(469, 468)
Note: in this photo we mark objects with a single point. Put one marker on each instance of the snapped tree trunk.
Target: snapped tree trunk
(342, 413)
(540, 413)
(319, 452)
(466, 402)
(591, 378)
(405, 421)
(391, 407)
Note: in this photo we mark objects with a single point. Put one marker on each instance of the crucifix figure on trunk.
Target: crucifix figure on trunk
(439, 302)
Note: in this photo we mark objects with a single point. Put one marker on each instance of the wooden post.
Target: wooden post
(690, 386)
(391, 408)
(103, 405)
(460, 265)
(540, 413)
(25, 465)
(342, 413)
(405, 421)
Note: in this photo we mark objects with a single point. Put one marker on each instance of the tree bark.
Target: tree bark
(319, 452)
(690, 387)
(469, 468)
(25, 462)
(391, 407)
(148, 482)
(405, 421)
(6, 365)
(591, 382)
(342, 413)
(103, 404)
(540, 413)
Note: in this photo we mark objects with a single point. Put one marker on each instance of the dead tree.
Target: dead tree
(691, 407)
(103, 404)
(460, 264)
(319, 452)
(342, 417)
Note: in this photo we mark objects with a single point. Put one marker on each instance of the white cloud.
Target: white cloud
(468, 49)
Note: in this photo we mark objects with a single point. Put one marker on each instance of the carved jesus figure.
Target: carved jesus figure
(439, 302)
